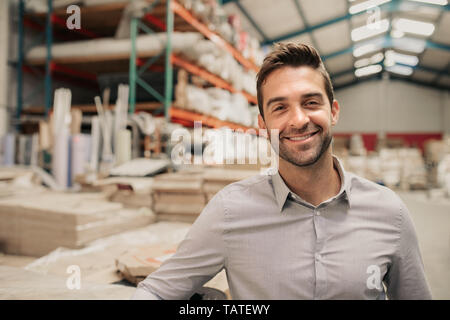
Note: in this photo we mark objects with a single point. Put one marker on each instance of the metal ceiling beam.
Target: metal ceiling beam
(386, 45)
(251, 20)
(391, 6)
(418, 82)
(348, 16)
(428, 69)
(305, 22)
(444, 72)
(393, 77)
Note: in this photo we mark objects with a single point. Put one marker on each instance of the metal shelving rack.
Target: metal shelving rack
(20, 61)
(171, 60)
(175, 15)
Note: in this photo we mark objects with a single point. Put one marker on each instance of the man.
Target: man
(312, 230)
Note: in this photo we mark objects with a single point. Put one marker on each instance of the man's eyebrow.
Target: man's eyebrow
(275, 99)
(303, 96)
(312, 95)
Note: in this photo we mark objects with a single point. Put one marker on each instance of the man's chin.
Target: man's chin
(304, 161)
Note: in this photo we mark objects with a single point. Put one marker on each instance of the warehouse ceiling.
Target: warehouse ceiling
(359, 39)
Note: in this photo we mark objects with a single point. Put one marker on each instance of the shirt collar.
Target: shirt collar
(282, 191)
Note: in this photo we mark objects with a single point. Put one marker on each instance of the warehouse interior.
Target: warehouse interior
(109, 110)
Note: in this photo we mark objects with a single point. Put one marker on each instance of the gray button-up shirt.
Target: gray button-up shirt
(359, 244)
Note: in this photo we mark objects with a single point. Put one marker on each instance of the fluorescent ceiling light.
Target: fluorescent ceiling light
(397, 34)
(370, 30)
(403, 70)
(363, 6)
(362, 50)
(437, 2)
(361, 72)
(376, 58)
(402, 58)
(414, 26)
(368, 46)
(362, 63)
(409, 44)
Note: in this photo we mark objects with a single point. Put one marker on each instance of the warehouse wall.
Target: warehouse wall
(4, 40)
(446, 111)
(393, 106)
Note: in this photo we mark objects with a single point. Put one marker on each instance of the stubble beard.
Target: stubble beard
(303, 156)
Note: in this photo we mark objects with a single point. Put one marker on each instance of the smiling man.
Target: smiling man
(310, 231)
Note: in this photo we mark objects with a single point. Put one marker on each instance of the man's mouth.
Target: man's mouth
(301, 137)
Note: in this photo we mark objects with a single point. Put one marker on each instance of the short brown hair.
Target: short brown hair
(293, 55)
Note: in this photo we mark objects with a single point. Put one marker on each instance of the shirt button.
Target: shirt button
(318, 256)
(318, 213)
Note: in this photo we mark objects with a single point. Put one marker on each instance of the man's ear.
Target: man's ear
(335, 108)
(261, 123)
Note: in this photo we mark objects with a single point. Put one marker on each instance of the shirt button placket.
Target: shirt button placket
(319, 267)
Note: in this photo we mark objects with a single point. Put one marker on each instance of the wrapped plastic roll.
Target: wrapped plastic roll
(197, 99)
(218, 94)
(81, 146)
(8, 149)
(241, 113)
(123, 146)
(60, 157)
(112, 48)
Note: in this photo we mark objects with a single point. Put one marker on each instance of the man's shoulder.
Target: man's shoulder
(372, 193)
(252, 184)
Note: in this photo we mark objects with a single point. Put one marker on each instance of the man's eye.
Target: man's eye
(312, 103)
(277, 108)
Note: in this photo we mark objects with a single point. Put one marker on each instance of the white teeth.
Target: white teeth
(301, 138)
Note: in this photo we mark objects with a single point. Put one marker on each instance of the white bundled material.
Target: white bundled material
(249, 82)
(220, 104)
(240, 112)
(40, 6)
(373, 168)
(357, 145)
(111, 48)
(219, 62)
(414, 174)
(61, 132)
(98, 2)
(443, 175)
(197, 99)
(357, 165)
(391, 167)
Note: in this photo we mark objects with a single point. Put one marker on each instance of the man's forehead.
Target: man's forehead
(307, 77)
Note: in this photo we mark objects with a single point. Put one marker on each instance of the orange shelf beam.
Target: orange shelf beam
(189, 18)
(208, 121)
(198, 71)
(208, 76)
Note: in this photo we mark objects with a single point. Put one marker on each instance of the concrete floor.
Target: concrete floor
(432, 222)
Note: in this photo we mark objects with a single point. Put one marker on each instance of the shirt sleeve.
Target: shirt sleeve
(406, 278)
(199, 257)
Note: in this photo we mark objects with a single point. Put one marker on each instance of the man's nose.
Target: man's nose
(298, 118)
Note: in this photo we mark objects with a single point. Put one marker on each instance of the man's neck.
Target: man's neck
(315, 183)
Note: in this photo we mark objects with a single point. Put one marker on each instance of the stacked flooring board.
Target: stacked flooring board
(37, 224)
(215, 180)
(97, 260)
(131, 192)
(21, 284)
(136, 264)
(181, 196)
(131, 255)
(178, 196)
